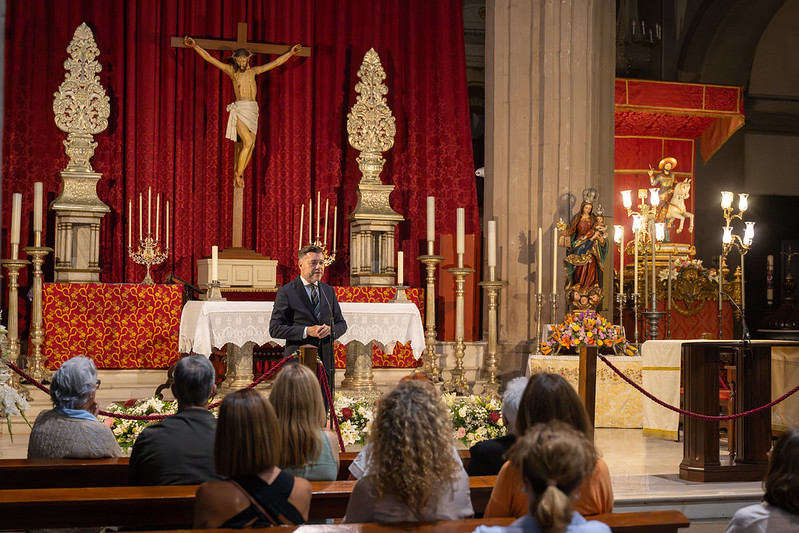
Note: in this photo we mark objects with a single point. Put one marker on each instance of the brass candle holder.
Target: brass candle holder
(13, 266)
(492, 288)
(36, 368)
(148, 253)
(430, 368)
(457, 382)
(539, 321)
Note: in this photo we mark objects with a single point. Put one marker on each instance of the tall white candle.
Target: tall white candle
(16, 217)
(302, 216)
(214, 263)
(555, 260)
(492, 243)
(327, 216)
(310, 220)
(318, 207)
(635, 264)
(335, 219)
(400, 269)
(167, 224)
(460, 231)
(37, 206)
(157, 215)
(431, 218)
(130, 222)
(540, 261)
(140, 217)
(149, 210)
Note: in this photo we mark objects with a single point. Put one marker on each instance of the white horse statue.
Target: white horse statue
(677, 206)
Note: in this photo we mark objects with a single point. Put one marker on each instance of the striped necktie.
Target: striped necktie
(315, 299)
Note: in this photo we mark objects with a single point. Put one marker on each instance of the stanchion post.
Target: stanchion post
(586, 387)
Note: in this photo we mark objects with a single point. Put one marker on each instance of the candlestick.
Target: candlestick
(335, 219)
(327, 214)
(130, 220)
(37, 206)
(400, 269)
(458, 383)
(540, 262)
(157, 215)
(621, 260)
(302, 217)
(430, 368)
(721, 290)
(492, 243)
(149, 210)
(431, 219)
(318, 206)
(214, 263)
(36, 361)
(310, 220)
(16, 217)
(555, 260)
(141, 233)
(460, 247)
(635, 264)
(167, 224)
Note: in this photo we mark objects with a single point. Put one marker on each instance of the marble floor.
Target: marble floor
(644, 471)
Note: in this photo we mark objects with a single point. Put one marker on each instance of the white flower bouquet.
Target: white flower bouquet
(12, 403)
(475, 418)
(126, 431)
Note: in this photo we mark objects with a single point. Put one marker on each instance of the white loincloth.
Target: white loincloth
(247, 112)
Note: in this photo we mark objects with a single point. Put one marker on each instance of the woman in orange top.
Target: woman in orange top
(549, 397)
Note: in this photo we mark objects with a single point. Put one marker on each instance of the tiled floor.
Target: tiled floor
(644, 471)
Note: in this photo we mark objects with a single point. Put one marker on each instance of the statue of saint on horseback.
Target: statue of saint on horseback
(672, 194)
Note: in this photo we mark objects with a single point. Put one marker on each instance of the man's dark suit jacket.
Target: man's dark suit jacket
(293, 312)
(177, 451)
(488, 456)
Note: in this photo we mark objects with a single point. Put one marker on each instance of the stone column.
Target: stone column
(550, 67)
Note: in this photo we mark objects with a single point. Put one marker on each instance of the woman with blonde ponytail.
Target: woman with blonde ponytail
(553, 458)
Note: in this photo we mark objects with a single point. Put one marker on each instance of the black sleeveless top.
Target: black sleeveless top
(273, 507)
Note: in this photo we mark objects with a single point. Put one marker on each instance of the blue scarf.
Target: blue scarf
(75, 413)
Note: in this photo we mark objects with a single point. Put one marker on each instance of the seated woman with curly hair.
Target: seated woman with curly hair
(549, 397)
(256, 492)
(412, 470)
(779, 510)
(309, 451)
(553, 459)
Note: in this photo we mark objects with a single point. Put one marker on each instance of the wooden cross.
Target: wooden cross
(241, 42)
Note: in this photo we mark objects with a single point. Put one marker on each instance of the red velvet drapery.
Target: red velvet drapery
(168, 118)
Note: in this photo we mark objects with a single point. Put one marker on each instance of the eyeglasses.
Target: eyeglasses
(97, 385)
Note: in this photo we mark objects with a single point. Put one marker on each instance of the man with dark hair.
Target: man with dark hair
(180, 449)
(306, 311)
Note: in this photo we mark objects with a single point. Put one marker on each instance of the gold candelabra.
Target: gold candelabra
(492, 287)
(730, 240)
(148, 253)
(457, 382)
(430, 260)
(36, 368)
(13, 266)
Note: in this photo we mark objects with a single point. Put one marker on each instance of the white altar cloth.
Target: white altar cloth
(207, 325)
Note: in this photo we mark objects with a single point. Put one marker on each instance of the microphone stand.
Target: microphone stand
(745, 337)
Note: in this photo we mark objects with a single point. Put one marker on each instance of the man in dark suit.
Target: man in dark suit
(180, 449)
(306, 311)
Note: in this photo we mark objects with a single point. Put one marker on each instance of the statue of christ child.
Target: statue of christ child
(243, 119)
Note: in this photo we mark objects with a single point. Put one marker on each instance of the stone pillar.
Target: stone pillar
(550, 67)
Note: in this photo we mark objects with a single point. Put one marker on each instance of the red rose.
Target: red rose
(493, 417)
(346, 413)
(130, 403)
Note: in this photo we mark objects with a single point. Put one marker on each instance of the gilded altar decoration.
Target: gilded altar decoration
(371, 130)
(81, 106)
(692, 286)
(586, 328)
(81, 109)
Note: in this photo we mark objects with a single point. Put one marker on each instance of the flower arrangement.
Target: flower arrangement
(586, 328)
(475, 418)
(696, 264)
(126, 431)
(354, 417)
(12, 403)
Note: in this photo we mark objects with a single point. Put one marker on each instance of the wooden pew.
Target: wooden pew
(111, 472)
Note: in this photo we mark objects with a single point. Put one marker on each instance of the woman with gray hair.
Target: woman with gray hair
(71, 428)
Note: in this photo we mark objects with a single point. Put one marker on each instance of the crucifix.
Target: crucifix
(243, 120)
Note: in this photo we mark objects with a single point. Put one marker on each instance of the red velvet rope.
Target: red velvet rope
(688, 413)
(321, 374)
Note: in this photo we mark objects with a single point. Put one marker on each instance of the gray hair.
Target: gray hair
(73, 383)
(511, 398)
(194, 380)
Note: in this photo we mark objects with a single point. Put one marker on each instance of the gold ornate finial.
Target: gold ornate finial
(81, 106)
(370, 124)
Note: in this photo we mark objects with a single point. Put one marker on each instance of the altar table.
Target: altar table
(117, 325)
(205, 325)
(617, 404)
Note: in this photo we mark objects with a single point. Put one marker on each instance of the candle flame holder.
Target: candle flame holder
(148, 253)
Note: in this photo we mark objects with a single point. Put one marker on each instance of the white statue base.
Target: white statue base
(240, 267)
